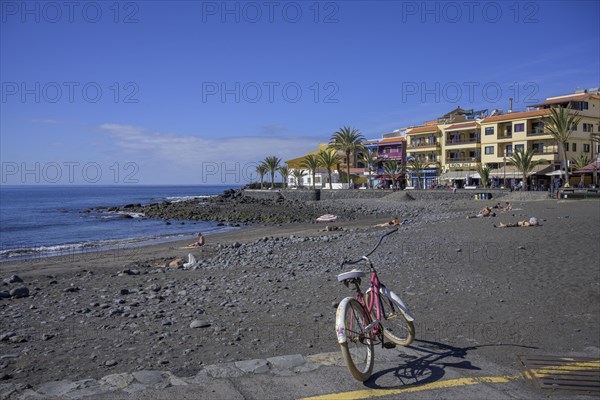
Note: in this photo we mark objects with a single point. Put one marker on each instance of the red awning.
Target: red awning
(589, 169)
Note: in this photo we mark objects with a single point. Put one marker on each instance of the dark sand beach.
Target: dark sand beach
(266, 290)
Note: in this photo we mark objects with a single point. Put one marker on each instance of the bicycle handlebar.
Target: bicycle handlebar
(372, 251)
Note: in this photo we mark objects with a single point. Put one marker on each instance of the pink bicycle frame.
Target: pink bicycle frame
(374, 301)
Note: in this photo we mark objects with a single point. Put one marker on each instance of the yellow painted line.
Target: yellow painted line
(552, 370)
(370, 393)
(450, 383)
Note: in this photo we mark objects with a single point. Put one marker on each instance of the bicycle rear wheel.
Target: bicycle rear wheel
(395, 325)
(358, 349)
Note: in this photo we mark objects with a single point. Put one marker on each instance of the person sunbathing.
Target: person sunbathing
(331, 228)
(393, 222)
(200, 241)
(520, 224)
(485, 212)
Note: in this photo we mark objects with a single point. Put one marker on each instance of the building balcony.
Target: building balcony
(463, 160)
(424, 146)
(545, 153)
(537, 132)
(459, 142)
(394, 155)
(506, 135)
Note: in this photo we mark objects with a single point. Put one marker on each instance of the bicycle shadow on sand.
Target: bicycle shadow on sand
(426, 368)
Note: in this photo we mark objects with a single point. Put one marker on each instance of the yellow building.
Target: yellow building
(501, 135)
(321, 175)
(461, 147)
(424, 142)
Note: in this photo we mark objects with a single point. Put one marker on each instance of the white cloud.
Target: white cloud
(194, 153)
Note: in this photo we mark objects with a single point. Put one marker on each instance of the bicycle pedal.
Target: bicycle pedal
(389, 345)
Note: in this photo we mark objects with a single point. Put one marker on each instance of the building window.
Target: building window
(574, 146)
(489, 130)
(538, 148)
(519, 127)
(537, 127)
(574, 127)
(566, 146)
(489, 149)
(579, 105)
(519, 147)
(588, 127)
(586, 147)
(508, 150)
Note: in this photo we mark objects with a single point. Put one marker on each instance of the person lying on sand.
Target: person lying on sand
(485, 212)
(394, 221)
(331, 228)
(508, 206)
(525, 223)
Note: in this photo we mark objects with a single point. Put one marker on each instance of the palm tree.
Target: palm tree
(261, 170)
(348, 140)
(329, 160)
(284, 171)
(484, 172)
(370, 159)
(523, 161)
(311, 163)
(272, 164)
(560, 124)
(580, 162)
(298, 174)
(392, 168)
(417, 165)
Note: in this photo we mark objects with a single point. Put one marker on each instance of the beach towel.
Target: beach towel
(191, 261)
(327, 218)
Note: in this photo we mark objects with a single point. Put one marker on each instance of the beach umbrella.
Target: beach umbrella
(556, 173)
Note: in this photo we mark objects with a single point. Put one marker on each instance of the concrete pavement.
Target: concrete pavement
(425, 370)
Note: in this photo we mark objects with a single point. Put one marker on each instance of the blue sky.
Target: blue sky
(188, 92)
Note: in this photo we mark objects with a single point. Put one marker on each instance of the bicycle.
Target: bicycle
(360, 320)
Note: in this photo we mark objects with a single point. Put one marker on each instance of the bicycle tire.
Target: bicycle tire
(395, 325)
(358, 349)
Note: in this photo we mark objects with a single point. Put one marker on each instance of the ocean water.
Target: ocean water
(39, 221)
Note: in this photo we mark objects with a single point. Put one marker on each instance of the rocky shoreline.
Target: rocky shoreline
(234, 207)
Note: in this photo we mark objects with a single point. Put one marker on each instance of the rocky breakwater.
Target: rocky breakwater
(233, 207)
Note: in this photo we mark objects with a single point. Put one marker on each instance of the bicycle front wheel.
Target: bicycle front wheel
(357, 350)
(395, 325)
